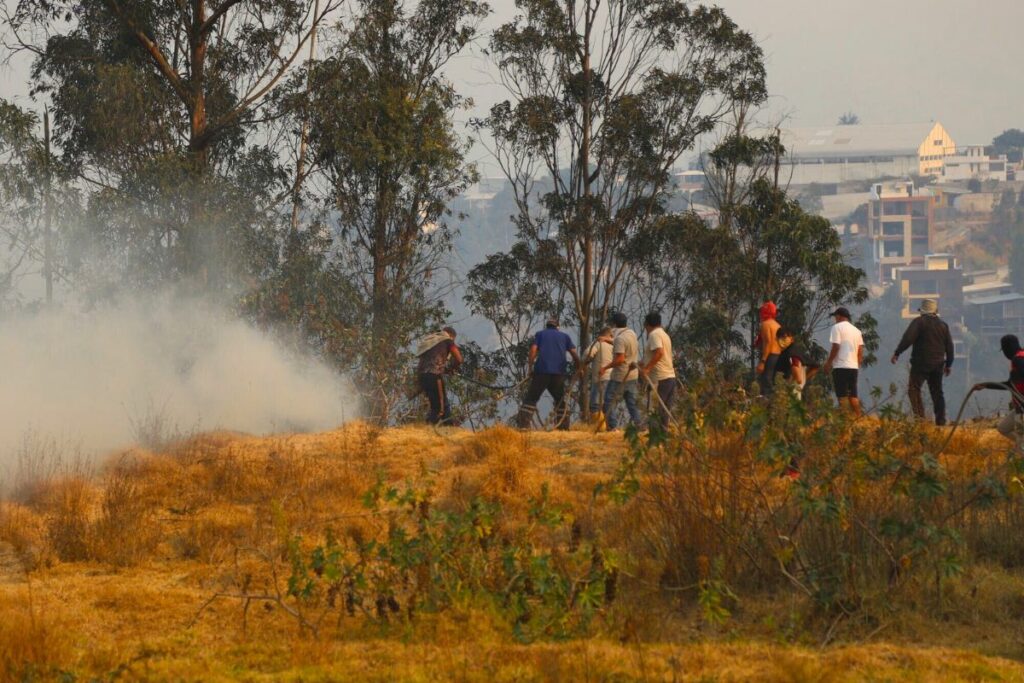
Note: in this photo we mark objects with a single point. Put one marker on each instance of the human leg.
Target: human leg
(766, 379)
(667, 396)
(538, 383)
(611, 398)
(430, 385)
(938, 398)
(917, 378)
(556, 387)
(629, 393)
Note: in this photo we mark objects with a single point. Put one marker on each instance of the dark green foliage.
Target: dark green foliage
(432, 560)
(1009, 142)
(605, 99)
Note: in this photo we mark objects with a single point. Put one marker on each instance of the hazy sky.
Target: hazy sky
(890, 61)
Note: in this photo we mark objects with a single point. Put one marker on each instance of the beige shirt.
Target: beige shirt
(663, 369)
(599, 355)
(627, 344)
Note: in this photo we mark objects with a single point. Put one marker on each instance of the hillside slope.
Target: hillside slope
(175, 566)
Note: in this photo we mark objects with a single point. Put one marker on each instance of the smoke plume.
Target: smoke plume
(92, 378)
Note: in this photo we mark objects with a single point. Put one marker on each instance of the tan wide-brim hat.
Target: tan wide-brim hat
(929, 306)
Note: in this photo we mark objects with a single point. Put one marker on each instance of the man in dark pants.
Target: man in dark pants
(930, 360)
(433, 351)
(657, 368)
(547, 359)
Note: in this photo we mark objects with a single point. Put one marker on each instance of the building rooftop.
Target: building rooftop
(1000, 299)
(897, 139)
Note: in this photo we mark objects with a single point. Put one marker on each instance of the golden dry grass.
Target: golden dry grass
(106, 576)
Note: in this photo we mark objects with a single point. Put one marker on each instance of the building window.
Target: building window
(924, 287)
(919, 248)
(894, 208)
(919, 227)
(938, 143)
(893, 228)
(997, 167)
(892, 249)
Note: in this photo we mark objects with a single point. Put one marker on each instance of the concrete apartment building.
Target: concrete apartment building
(900, 231)
(939, 277)
(837, 154)
(972, 162)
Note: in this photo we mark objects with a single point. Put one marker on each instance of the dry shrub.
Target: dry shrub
(25, 532)
(211, 537)
(125, 532)
(67, 520)
(504, 466)
(38, 461)
(32, 645)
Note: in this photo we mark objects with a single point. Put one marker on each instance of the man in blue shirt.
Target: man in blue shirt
(549, 373)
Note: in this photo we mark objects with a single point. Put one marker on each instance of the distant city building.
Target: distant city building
(837, 154)
(899, 227)
(481, 194)
(940, 277)
(972, 162)
(990, 317)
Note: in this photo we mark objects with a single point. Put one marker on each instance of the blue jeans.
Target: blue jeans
(597, 392)
(616, 390)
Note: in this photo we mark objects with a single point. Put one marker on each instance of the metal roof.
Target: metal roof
(897, 139)
(1001, 299)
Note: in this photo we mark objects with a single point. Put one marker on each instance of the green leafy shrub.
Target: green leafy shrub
(541, 578)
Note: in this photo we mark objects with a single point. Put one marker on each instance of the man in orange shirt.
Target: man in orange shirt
(770, 348)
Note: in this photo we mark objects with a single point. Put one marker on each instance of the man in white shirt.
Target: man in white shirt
(622, 384)
(598, 357)
(845, 358)
(657, 368)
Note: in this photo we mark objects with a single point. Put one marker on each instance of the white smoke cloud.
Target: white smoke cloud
(87, 377)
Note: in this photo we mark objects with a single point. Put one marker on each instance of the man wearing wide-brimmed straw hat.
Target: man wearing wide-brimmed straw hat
(930, 360)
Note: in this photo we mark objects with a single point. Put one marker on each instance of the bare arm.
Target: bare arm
(617, 360)
(457, 356)
(533, 355)
(656, 356)
(860, 355)
(832, 357)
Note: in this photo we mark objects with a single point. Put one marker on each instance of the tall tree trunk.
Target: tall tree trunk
(47, 210)
(300, 164)
(198, 142)
(587, 308)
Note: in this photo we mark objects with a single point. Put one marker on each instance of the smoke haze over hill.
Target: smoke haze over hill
(90, 379)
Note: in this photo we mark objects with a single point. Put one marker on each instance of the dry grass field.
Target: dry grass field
(175, 566)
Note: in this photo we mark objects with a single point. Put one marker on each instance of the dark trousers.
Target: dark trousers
(554, 385)
(918, 376)
(667, 394)
(767, 378)
(433, 387)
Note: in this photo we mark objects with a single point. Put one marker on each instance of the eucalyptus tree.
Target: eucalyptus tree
(387, 160)
(216, 59)
(605, 96)
(160, 109)
(36, 199)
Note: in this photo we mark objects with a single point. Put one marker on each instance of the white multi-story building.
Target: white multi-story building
(972, 162)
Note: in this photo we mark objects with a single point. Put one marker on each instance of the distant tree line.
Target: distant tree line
(298, 160)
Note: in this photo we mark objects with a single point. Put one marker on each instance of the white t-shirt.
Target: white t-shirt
(599, 354)
(627, 344)
(849, 339)
(659, 339)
